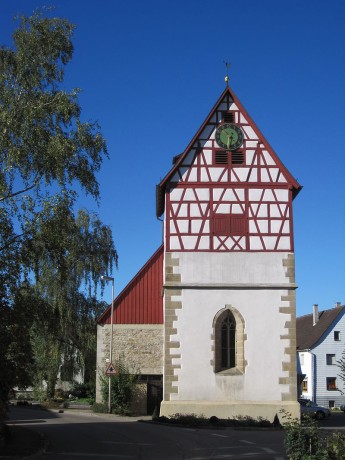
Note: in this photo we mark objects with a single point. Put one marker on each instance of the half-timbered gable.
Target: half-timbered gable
(228, 200)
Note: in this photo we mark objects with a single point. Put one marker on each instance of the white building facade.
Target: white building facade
(321, 344)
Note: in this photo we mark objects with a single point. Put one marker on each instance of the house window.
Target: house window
(305, 386)
(337, 336)
(228, 345)
(331, 404)
(330, 359)
(229, 224)
(331, 383)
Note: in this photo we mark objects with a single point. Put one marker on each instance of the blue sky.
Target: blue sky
(159, 65)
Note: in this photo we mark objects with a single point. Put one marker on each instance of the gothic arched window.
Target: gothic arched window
(228, 342)
(229, 337)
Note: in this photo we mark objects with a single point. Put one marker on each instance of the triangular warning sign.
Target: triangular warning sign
(111, 370)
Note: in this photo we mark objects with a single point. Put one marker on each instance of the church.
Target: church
(209, 322)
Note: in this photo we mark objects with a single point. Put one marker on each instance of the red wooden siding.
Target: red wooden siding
(141, 301)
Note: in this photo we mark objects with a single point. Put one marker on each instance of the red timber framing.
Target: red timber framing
(141, 301)
(228, 200)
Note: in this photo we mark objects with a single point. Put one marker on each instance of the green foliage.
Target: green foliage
(83, 390)
(100, 408)
(301, 437)
(51, 256)
(200, 420)
(122, 388)
(304, 440)
(341, 365)
(16, 357)
(336, 446)
(39, 393)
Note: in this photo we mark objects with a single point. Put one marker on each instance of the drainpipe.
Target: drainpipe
(313, 375)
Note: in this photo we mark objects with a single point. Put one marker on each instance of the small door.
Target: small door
(154, 396)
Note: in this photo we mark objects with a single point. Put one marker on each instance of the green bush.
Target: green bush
(101, 408)
(304, 440)
(200, 420)
(83, 390)
(122, 388)
(335, 445)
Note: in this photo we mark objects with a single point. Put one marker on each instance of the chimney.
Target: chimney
(337, 304)
(315, 314)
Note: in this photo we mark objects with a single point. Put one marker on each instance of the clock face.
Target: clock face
(229, 136)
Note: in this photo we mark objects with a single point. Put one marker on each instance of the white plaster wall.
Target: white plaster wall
(264, 350)
(307, 368)
(234, 268)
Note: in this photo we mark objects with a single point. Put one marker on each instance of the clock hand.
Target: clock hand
(228, 136)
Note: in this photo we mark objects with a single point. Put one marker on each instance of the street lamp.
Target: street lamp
(109, 278)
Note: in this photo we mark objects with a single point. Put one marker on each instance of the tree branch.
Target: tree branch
(19, 192)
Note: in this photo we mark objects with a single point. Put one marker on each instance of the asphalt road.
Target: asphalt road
(73, 435)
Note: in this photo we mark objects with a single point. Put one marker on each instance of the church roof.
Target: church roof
(141, 301)
(308, 334)
(178, 160)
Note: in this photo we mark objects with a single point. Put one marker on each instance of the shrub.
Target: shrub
(188, 419)
(213, 420)
(100, 408)
(304, 441)
(200, 420)
(83, 390)
(122, 388)
(335, 445)
(59, 394)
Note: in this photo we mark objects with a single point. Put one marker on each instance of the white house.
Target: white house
(320, 344)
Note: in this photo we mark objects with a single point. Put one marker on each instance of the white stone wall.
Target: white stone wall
(260, 286)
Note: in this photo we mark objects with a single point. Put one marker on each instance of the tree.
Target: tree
(341, 365)
(45, 148)
(49, 253)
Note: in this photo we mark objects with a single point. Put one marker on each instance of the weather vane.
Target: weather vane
(226, 79)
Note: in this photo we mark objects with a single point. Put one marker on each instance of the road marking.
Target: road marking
(127, 443)
(247, 442)
(88, 454)
(219, 435)
(214, 456)
(268, 450)
(214, 448)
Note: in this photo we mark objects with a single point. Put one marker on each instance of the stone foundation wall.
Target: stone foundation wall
(139, 346)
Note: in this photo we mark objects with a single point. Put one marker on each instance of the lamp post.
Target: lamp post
(109, 278)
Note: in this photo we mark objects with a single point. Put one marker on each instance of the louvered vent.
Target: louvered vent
(221, 157)
(237, 158)
(228, 117)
